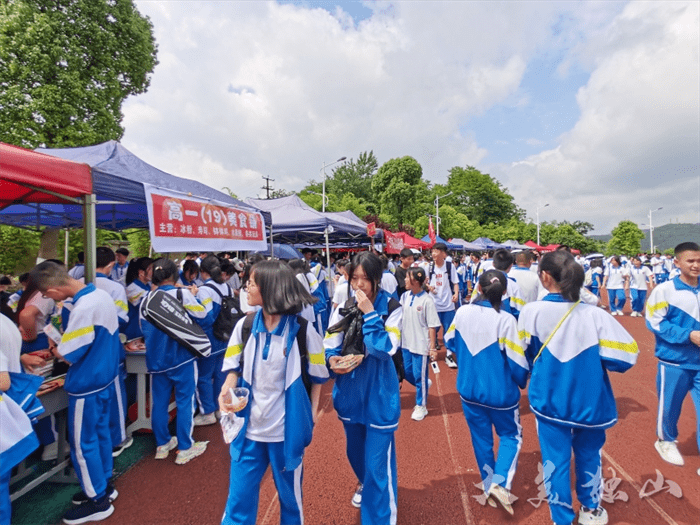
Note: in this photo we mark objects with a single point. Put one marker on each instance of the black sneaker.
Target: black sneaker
(89, 511)
(81, 497)
(122, 446)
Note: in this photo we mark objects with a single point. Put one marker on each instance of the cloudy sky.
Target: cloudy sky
(590, 107)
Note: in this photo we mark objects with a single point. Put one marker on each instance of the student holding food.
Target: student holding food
(360, 345)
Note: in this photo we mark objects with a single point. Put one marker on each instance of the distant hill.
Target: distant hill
(665, 237)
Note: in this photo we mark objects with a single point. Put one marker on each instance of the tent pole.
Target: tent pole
(65, 250)
(328, 265)
(89, 230)
(272, 245)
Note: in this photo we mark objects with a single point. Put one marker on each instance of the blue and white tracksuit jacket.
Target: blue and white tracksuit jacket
(250, 458)
(574, 410)
(211, 375)
(367, 402)
(172, 366)
(673, 311)
(492, 369)
(135, 292)
(91, 345)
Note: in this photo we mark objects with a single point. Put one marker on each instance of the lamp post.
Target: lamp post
(538, 222)
(437, 212)
(323, 198)
(651, 229)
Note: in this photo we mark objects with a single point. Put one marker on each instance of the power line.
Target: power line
(267, 185)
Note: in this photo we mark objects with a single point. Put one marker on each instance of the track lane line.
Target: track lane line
(668, 519)
(464, 495)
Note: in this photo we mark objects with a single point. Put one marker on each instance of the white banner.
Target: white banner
(182, 223)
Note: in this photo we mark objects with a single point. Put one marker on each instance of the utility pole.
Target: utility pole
(267, 185)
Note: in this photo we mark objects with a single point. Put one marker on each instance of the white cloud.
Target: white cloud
(635, 145)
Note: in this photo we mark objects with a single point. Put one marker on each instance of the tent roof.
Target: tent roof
(23, 172)
(412, 242)
(515, 244)
(466, 245)
(533, 245)
(118, 177)
(450, 246)
(294, 221)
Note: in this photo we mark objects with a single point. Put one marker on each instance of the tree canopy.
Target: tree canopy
(66, 67)
(626, 239)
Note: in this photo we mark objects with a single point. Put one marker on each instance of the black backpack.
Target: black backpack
(229, 314)
(448, 271)
(301, 343)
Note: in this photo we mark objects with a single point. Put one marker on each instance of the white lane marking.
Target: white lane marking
(668, 519)
(458, 470)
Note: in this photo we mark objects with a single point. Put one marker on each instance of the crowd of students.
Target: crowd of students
(507, 321)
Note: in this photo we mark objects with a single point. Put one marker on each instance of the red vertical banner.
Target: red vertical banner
(394, 243)
(371, 229)
(431, 230)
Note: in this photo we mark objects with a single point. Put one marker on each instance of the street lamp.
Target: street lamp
(323, 198)
(538, 222)
(651, 229)
(437, 212)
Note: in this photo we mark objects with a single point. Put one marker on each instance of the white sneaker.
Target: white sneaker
(502, 496)
(597, 516)
(202, 420)
(185, 456)
(450, 361)
(163, 450)
(669, 452)
(50, 452)
(357, 497)
(419, 413)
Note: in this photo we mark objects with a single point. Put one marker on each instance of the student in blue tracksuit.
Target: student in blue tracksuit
(366, 395)
(173, 367)
(90, 344)
(280, 414)
(138, 279)
(673, 315)
(211, 375)
(616, 281)
(571, 347)
(492, 370)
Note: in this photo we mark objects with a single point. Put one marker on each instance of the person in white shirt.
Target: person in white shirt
(118, 273)
(616, 281)
(657, 266)
(388, 282)
(444, 287)
(527, 280)
(641, 279)
(78, 271)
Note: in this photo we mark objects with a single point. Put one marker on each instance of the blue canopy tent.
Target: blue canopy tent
(488, 244)
(118, 178)
(282, 251)
(450, 245)
(468, 246)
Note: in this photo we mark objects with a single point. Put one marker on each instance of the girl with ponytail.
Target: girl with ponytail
(492, 369)
(211, 377)
(571, 346)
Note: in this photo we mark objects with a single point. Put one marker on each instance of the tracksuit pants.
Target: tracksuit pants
(372, 456)
(638, 299)
(556, 443)
(617, 300)
(416, 370)
(672, 385)
(5, 505)
(446, 319)
(244, 484)
(183, 380)
(210, 379)
(117, 411)
(482, 420)
(90, 440)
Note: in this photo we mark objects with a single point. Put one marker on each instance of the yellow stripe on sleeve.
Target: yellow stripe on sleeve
(194, 307)
(317, 359)
(518, 300)
(524, 335)
(233, 350)
(652, 308)
(515, 347)
(69, 336)
(630, 348)
(206, 301)
(393, 330)
(122, 305)
(450, 329)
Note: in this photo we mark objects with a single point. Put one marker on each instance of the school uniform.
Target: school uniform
(673, 311)
(657, 264)
(573, 411)
(419, 314)
(367, 402)
(319, 289)
(639, 277)
(135, 293)
(210, 375)
(278, 423)
(492, 369)
(616, 286)
(389, 284)
(527, 281)
(172, 367)
(91, 345)
(444, 290)
(513, 300)
(47, 308)
(118, 273)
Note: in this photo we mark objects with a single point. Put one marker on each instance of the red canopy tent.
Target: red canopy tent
(553, 247)
(534, 246)
(412, 242)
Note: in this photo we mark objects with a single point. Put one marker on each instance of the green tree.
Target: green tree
(398, 184)
(626, 239)
(354, 177)
(19, 248)
(66, 66)
(480, 197)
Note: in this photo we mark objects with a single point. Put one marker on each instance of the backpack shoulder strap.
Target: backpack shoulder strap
(209, 285)
(179, 294)
(245, 335)
(301, 336)
(392, 305)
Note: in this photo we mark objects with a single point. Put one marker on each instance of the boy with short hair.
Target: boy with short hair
(440, 275)
(91, 346)
(673, 315)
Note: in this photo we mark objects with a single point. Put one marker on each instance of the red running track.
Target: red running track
(436, 468)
